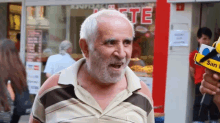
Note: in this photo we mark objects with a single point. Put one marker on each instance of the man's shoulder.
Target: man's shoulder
(54, 56)
(141, 98)
(145, 91)
(49, 83)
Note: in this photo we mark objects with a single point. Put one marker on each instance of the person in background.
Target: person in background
(12, 80)
(17, 44)
(58, 62)
(99, 87)
(203, 37)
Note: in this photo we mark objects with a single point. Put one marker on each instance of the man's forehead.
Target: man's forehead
(105, 18)
(107, 23)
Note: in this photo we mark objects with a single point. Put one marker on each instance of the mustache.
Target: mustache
(118, 61)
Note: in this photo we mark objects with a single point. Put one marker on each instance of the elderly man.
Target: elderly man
(58, 62)
(100, 87)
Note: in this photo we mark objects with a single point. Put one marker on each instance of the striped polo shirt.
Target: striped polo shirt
(68, 102)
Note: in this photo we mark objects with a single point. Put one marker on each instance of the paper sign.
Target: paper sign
(33, 76)
(148, 81)
(179, 38)
(34, 40)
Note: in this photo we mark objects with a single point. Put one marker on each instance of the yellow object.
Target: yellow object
(210, 63)
(217, 47)
(135, 59)
(214, 44)
(147, 69)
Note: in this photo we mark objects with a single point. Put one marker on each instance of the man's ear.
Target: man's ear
(84, 47)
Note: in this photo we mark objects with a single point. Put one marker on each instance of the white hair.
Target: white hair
(89, 28)
(64, 45)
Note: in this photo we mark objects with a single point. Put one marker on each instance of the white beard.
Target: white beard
(98, 68)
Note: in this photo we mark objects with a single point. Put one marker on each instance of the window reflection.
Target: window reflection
(59, 23)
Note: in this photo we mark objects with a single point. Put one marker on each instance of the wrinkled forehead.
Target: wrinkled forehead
(111, 18)
(110, 23)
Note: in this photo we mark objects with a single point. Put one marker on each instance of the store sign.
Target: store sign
(180, 6)
(145, 9)
(100, 6)
(33, 70)
(146, 13)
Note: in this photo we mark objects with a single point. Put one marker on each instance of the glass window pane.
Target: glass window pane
(58, 23)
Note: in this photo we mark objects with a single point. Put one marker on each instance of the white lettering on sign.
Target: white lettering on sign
(146, 14)
(145, 9)
(99, 6)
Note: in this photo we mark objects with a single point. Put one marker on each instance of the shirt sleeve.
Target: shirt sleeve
(150, 117)
(49, 66)
(38, 110)
(191, 59)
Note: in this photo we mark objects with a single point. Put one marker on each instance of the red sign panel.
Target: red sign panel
(36, 67)
(180, 6)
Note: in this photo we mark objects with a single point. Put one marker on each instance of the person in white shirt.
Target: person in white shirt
(58, 62)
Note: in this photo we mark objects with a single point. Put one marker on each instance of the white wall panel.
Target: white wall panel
(179, 86)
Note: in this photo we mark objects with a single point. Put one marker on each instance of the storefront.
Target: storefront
(45, 24)
(57, 21)
(48, 25)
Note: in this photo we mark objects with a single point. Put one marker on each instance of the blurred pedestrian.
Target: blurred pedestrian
(58, 62)
(17, 44)
(12, 79)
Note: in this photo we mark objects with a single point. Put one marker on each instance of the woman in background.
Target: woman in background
(12, 79)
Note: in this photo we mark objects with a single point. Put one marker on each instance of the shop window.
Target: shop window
(14, 20)
(58, 23)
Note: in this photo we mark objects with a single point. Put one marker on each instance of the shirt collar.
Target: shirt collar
(69, 76)
(66, 54)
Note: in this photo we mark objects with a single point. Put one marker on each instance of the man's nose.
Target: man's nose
(120, 51)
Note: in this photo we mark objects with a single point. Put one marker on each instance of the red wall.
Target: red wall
(160, 53)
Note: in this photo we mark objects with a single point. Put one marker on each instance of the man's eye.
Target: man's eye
(110, 42)
(127, 42)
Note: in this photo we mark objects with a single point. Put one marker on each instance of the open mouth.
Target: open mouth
(116, 66)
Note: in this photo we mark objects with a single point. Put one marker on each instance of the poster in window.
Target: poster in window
(34, 41)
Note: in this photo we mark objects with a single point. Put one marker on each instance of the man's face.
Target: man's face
(70, 50)
(112, 50)
(204, 40)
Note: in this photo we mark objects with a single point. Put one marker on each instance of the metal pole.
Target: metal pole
(23, 32)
